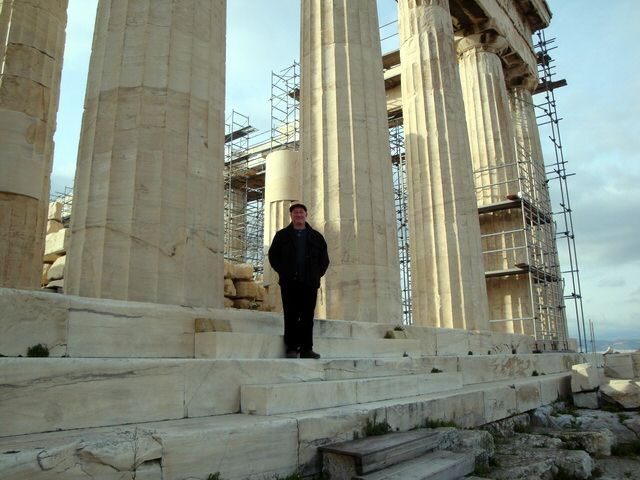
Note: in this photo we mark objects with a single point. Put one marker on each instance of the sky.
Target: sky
(600, 129)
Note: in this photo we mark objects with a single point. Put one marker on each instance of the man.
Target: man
(298, 253)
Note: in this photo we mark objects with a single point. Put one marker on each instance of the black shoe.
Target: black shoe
(309, 354)
(292, 354)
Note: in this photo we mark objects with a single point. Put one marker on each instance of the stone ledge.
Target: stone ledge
(77, 326)
(276, 399)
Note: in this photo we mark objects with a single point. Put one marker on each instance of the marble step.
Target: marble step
(436, 465)
(256, 345)
(236, 445)
(365, 455)
(72, 326)
(47, 394)
(272, 399)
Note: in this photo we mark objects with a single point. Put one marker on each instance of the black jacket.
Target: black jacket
(282, 256)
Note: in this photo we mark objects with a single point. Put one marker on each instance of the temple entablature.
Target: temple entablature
(515, 21)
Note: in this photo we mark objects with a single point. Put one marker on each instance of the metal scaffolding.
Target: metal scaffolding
(245, 155)
(399, 168)
(243, 196)
(519, 248)
(285, 108)
(556, 171)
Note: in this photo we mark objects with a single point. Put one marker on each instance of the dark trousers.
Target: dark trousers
(298, 303)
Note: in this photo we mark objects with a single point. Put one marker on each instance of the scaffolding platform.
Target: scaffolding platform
(534, 215)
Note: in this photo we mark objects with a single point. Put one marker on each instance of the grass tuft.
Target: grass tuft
(428, 423)
(38, 350)
(373, 429)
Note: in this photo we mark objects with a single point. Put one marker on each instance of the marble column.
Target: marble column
(543, 235)
(447, 271)
(491, 136)
(527, 138)
(348, 184)
(282, 187)
(31, 51)
(148, 205)
(488, 116)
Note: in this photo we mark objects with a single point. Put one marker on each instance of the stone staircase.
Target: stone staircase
(175, 392)
(414, 455)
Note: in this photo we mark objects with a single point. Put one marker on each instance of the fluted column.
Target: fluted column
(488, 116)
(32, 34)
(348, 183)
(543, 235)
(447, 271)
(282, 187)
(491, 136)
(147, 214)
(527, 141)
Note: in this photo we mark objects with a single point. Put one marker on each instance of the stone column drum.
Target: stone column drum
(282, 187)
(447, 271)
(147, 214)
(32, 36)
(347, 173)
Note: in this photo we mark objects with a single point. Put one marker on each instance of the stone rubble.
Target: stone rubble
(55, 251)
(579, 449)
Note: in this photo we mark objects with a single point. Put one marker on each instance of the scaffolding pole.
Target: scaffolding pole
(242, 197)
(399, 169)
(285, 108)
(557, 171)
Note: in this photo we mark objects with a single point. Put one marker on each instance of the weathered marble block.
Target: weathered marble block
(55, 211)
(246, 289)
(109, 334)
(376, 389)
(53, 226)
(527, 395)
(451, 341)
(584, 377)
(619, 365)
(480, 342)
(242, 271)
(238, 345)
(60, 393)
(340, 369)
(499, 403)
(56, 271)
(56, 244)
(238, 446)
(624, 392)
(285, 398)
(554, 387)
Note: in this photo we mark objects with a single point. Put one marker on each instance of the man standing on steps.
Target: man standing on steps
(298, 253)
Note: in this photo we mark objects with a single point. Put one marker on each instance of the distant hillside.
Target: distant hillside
(619, 345)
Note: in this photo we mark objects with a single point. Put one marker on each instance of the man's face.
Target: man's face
(298, 216)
